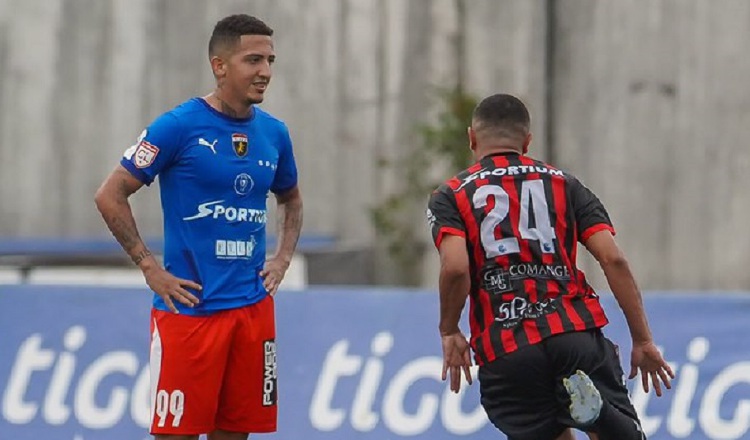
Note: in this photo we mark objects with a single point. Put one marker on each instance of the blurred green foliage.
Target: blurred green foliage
(442, 145)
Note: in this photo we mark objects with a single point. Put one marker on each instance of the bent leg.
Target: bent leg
(518, 395)
(597, 357)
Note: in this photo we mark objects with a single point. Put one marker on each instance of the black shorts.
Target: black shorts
(523, 392)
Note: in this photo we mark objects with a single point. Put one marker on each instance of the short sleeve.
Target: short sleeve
(591, 216)
(286, 171)
(155, 149)
(443, 216)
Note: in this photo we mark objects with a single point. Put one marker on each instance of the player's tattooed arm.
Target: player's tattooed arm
(112, 202)
(289, 223)
(289, 218)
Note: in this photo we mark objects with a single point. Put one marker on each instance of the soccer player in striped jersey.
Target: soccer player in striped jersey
(507, 230)
(213, 351)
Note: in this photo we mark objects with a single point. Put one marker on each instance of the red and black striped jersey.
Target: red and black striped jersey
(522, 220)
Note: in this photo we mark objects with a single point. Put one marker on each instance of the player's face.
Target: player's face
(249, 68)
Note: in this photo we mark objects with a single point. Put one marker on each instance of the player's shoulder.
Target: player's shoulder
(193, 108)
(573, 183)
(268, 120)
(458, 181)
(440, 197)
(541, 166)
(177, 116)
(552, 170)
(443, 188)
(446, 190)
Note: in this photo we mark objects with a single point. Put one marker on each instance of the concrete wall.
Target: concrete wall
(652, 110)
(647, 100)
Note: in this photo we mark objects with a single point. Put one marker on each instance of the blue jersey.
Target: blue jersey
(215, 173)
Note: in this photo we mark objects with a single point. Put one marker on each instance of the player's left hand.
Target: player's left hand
(647, 358)
(456, 357)
(273, 272)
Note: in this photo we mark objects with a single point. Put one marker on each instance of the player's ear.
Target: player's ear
(218, 67)
(472, 139)
(527, 143)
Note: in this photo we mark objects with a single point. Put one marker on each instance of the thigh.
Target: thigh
(595, 355)
(248, 394)
(187, 361)
(518, 394)
(610, 379)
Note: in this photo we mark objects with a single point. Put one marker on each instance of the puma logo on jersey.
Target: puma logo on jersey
(210, 145)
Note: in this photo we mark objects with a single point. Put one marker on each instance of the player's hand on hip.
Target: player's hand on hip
(647, 358)
(170, 288)
(456, 358)
(273, 272)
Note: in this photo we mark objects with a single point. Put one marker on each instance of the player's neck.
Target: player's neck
(231, 108)
(499, 149)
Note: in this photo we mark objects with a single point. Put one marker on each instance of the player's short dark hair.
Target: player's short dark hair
(502, 115)
(228, 31)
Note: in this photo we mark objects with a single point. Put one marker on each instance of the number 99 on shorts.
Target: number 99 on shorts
(169, 404)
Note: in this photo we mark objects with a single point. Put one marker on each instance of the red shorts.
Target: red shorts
(214, 372)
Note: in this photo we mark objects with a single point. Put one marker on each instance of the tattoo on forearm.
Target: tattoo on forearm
(118, 215)
(124, 232)
(289, 224)
(141, 256)
(121, 222)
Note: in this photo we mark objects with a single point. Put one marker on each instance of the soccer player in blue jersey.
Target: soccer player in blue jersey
(213, 352)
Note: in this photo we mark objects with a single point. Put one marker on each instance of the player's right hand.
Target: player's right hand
(647, 358)
(456, 358)
(169, 287)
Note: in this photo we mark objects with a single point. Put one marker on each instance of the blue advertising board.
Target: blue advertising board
(353, 364)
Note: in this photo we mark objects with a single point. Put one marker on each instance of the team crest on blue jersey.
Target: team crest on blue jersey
(239, 142)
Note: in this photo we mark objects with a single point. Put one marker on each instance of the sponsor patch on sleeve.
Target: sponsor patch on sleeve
(128, 154)
(145, 154)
